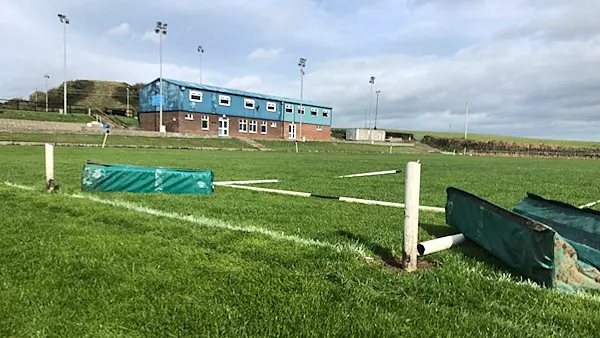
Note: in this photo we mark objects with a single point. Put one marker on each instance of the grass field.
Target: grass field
(211, 142)
(44, 116)
(525, 140)
(79, 267)
(340, 147)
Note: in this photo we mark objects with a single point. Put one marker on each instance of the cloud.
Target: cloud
(527, 67)
(152, 36)
(264, 54)
(123, 28)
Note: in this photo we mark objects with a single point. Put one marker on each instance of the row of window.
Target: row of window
(224, 100)
(244, 126)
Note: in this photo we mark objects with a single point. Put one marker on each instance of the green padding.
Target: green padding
(521, 243)
(549, 242)
(137, 179)
(579, 227)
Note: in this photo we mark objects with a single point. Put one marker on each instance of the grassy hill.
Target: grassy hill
(93, 94)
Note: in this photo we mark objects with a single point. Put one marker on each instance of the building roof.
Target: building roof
(242, 93)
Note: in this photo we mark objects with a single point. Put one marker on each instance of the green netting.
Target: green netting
(138, 179)
(529, 239)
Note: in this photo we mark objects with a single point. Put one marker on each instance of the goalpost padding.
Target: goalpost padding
(138, 179)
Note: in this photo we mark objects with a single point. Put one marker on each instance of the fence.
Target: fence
(14, 104)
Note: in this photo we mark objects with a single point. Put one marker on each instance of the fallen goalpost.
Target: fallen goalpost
(411, 247)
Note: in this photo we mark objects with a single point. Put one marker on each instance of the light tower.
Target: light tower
(161, 29)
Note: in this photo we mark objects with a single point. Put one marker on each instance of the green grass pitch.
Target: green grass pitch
(74, 267)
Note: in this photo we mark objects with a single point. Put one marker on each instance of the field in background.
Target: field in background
(484, 137)
(318, 146)
(210, 142)
(44, 116)
(75, 267)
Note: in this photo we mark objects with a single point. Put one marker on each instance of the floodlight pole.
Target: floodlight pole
(376, 108)
(46, 77)
(63, 18)
(466, 118)
(201, 51)
(301, 64)
(161, 29)
(372, 82)
(127, 99)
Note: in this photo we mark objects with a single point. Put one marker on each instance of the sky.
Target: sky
(526, 67)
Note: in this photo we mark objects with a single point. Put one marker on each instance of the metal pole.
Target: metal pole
(372, 81)
(65, 84)
(127, 99)
(376, 108)
(46, 77)
(160, 129)
(301, 98)
(466, 119)
(201, 50)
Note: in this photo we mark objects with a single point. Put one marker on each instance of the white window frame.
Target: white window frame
(263, 124)
(253, 127)
(227, 98)
(301, 110)
(314, 112)
(319, 128)
(273, 124)
(205, 118)
(189, 117)
(326, 113)
(243, 126)
(289, 107)
(195, 93)
(272, 107)
(251, 101)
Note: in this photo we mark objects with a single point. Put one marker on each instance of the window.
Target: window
(314, 111)
(273, 124)
(319, 128)
(252, 127)
(189, 117)
(263, 127)
(243, 126)
(289, 109)
(248, 103)
(271, 106)
(205, 120)
(301, 110)
(326, 113)
(195, 96)
(224, 100)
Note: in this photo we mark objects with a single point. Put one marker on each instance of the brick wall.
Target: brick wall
(149, 121)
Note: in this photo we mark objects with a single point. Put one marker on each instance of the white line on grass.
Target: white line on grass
(352, 248)
(213, 223)
(589, 205)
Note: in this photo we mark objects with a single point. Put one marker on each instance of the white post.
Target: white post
(411, 215)
(104, 142)
(49, 167)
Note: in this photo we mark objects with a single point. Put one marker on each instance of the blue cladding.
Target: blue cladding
(173, 97)
(177, 97)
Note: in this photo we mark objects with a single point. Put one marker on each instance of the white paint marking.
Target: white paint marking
(245, 182)
(374, 173)
(214, 223)
(589, 205)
